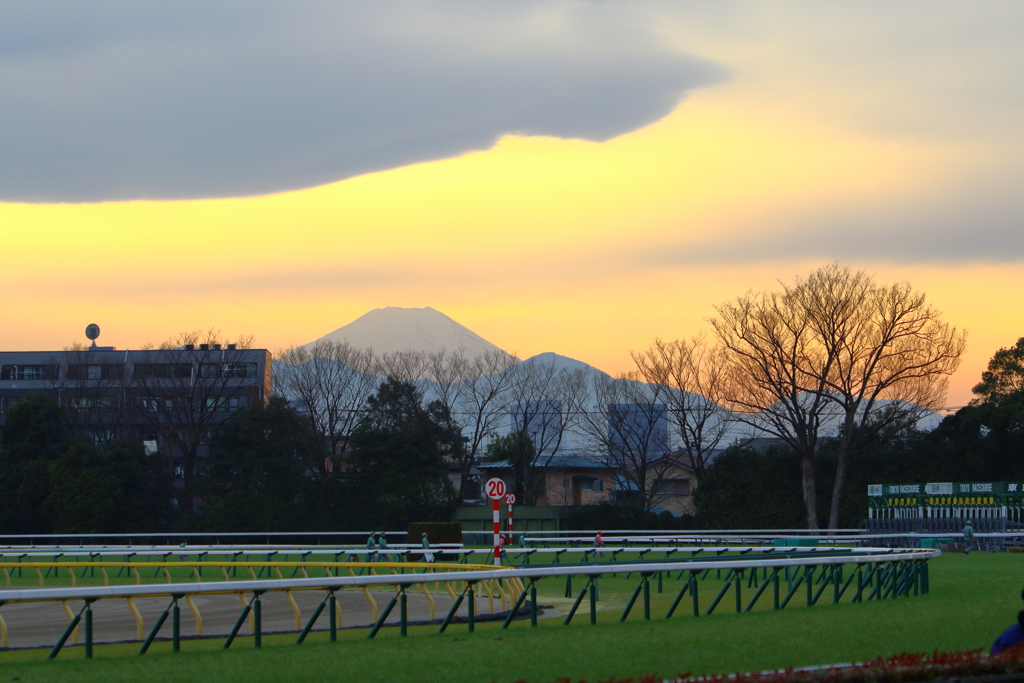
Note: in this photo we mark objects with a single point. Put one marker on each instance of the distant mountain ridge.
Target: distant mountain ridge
(393, 329)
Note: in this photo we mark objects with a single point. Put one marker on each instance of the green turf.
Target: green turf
(972, 600)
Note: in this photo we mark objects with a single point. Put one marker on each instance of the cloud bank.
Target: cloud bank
(116, 100)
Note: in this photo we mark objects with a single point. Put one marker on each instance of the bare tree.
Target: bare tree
(776, 377)
(183, 390)
(447, 371)
(405, 366)
(630, 429)
(540, 408)
(329, 382)
(689, 377)
(893, 355)
(482, 402)
(835, 348)
(92, 391)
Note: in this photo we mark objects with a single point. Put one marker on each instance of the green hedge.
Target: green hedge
(437, 532)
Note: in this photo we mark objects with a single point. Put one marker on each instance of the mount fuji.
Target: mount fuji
(393, 329)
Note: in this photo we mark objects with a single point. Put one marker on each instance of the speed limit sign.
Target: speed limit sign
(510, 499)
(495, 488)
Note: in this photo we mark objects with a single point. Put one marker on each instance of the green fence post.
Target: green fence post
(792, 590)
(333, 620)
(718, 598)
(515, 610)
(593, 600)
(679, 597)
(660, 590)
(827, 576)
(739, 581)
(88, 629)
(257, 618)
(238, 624)
(775, 582)
(533, 603)
(156, 629)
(631, 601)
(382, 617)
(757, 594)
(175, 626)
(312, 620)
(693, 594)
(63, 639)
(403, 613)
(647, 597)
(809, 580)
(472, 610)
(568, 586)
(575, 606)
(451, 613)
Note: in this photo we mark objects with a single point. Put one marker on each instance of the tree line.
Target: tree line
(983, 441)
(830, 365)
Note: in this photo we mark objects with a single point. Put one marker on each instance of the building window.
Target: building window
(29, 372)
(96, 372)
(92, 402)
(162, 371)
(228, 370)
(153, 404)
(237, 402)
(591, 484)
(675, 487)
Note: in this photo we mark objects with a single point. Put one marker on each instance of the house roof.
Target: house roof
(560, 462)
(678, 458)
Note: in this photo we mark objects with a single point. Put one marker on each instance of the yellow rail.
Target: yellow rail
(226, 566)
(329, 568)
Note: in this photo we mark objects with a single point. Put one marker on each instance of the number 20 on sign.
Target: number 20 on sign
(495, 488)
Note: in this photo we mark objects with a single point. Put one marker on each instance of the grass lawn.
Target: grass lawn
(972, 600)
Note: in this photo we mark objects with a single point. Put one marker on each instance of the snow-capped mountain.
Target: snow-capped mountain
(393, 329)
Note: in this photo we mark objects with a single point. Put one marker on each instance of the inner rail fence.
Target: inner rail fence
(282, 545)
(78, 563)
(867, 573)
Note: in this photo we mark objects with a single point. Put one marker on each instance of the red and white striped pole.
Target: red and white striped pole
(510, 499)
(497, 532)
(496, 491)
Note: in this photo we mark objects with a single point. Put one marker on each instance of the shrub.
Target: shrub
(437, 532)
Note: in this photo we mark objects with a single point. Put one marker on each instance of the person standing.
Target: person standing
(969, 538)
(427, 555)
(371, 546)
(382, 546)
(599, 542)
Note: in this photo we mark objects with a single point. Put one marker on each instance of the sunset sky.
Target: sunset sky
(577, 177)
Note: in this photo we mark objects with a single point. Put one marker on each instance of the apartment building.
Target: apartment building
(169, 399)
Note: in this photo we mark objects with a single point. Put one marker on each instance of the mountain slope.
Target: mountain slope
(392, 329)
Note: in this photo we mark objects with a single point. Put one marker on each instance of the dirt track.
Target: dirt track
(36, 624)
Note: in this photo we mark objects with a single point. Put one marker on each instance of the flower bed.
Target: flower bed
(905, 668)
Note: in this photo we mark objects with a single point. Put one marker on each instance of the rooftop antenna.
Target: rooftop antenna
(92, 331)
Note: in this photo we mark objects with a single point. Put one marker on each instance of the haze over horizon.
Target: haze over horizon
(555, 176)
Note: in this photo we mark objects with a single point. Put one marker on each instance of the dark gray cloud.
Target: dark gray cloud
(115, 100)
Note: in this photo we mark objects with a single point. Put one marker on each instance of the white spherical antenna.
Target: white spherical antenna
(92, 331)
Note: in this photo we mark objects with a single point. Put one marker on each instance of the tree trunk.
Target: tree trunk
(808, 472)
(837, 486)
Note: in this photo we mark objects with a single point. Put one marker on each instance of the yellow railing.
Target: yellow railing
(493, 589)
